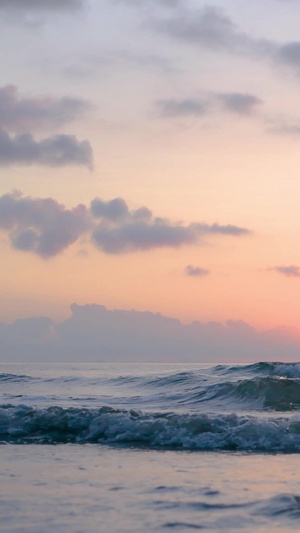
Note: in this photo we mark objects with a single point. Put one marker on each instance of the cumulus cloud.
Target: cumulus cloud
(56, 151)
(46, 228)
(121, 230)
(41, 225)
(41, 5)
(288, 271)
(195, 271)
(23, 114)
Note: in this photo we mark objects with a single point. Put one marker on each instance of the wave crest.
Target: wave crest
(106, 425)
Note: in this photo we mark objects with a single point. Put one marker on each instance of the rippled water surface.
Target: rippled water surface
(113, 448)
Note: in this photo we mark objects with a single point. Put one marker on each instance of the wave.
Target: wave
(288, 370)
(16, 378)
(278, 394)
(261, 386)
(55, 425)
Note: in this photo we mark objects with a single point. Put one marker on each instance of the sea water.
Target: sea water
(149, 448)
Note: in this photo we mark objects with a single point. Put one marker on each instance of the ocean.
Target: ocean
(149, 448)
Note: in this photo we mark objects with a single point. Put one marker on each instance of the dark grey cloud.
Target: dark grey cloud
(22, 114)
(291, 271)
(41, 225)
(56, 151)
(41, 5)
(95, 334)
(240, 103)
(195, 271)
(46, 228)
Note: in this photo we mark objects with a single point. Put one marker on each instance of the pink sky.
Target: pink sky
(185, 112)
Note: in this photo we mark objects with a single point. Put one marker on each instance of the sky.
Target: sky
(149, 159)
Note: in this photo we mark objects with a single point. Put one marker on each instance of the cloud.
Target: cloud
(123, 231)
(196, 272)
(56, 151)
(41, 225)
(95, 334)
(210, 28)
(236, 103)
(239, 103)
(23, 114)
(142, 4)
(288, 271)
(289, 54)
(46, 228)
(172, 108)
(41, 5)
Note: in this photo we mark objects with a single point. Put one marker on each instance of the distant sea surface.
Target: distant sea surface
(149, 448)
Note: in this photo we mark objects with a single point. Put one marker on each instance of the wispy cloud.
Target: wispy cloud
(242, 104)
(19, 114)
(196, 272)
(211, 28)
(291, 271)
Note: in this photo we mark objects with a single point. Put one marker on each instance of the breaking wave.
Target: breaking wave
(55, 425)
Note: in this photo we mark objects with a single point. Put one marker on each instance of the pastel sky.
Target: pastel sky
(150, 159)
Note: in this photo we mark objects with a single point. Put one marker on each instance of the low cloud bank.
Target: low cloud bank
(95, 334)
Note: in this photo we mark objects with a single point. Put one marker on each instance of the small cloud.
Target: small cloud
(19, 114)
(195, 271)
(187, 107)
(56, 151)
(239, 103)
(288, 271)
